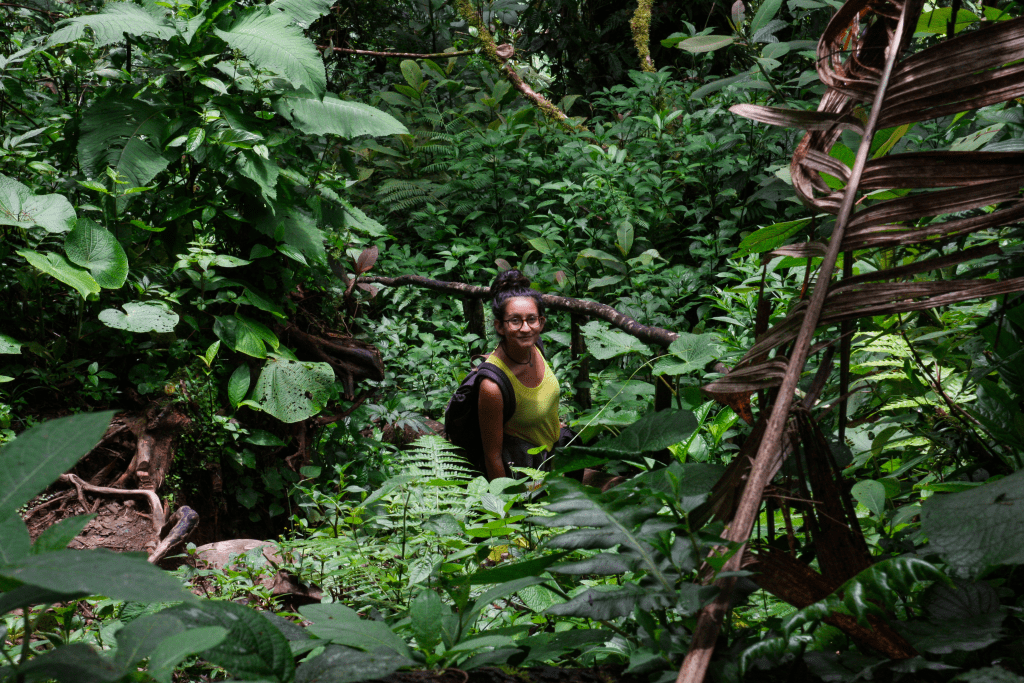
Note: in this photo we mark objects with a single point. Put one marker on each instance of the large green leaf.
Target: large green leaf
(339, 664)
(172, 650)
(271, 41)
(74, 663)
(293, 391)
(59, 535)
(140, 638)
(110, 25)
(59, 267)
(15, 543)
(98, 572)
(263, 172)
(605, 343)
(140, 317)
(94, 247)
(245, 335)
(253, 648)
(297, 230)
(974, 529)
(9, 344)
(333, 116)
(39, 455)
(26, 595)
(342, 626)
(22, 209)
(652, 432)
(118, 131)
(302, 12)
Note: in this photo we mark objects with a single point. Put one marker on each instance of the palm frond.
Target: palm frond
(863, 61)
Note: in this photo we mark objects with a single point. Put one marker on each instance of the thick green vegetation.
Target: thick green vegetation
(203, 204)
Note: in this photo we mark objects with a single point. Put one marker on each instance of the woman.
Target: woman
(518, 320)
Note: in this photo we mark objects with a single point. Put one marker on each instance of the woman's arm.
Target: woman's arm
(492, 427)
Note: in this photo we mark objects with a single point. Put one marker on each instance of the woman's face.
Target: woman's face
(523, 335)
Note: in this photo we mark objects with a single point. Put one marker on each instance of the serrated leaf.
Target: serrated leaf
(39, 455)
(59, 267)
(263, 172)
(15, 543)
(271, 41)
(293, 391)
(303, 12)
(174, 649)
(342, 626)
(974, 529)
(339, 664)
(23, 209)
(253, 647)
(195, 139)
(604, 343)
(690, 353)
(26, 595)
(118, 133)
(74, 663)
(333, 116)
(58, 536)
(140, 317)
(962, 600)
(92, 246)
(110, 25)
(97, 572)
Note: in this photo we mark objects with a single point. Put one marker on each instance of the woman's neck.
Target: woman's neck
(527, 361)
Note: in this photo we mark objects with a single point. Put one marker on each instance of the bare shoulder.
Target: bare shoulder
(489, 390)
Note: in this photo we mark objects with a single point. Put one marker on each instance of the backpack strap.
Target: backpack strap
(508, 394)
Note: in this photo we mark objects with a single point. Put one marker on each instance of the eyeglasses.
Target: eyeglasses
(531, 320)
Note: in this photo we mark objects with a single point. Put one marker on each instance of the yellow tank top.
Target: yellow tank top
(536, 416)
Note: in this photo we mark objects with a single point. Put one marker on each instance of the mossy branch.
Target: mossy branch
(500, 54)
(640, 24)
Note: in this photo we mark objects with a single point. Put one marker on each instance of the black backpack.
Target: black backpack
(462, 414)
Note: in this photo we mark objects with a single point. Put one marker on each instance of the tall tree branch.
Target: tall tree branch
(645, 333)
(500, 54)
(640, 24)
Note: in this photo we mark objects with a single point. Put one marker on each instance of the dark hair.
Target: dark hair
(508, 285)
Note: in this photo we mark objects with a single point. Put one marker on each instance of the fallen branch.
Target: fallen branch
(155, 505)
(645, 333)
(403, 55)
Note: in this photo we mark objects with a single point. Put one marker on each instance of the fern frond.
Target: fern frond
(432, 457)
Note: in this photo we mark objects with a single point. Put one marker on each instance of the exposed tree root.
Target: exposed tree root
(155, 506)
(184, 520)
(350, 358)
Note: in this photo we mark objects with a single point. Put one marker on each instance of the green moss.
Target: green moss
(473, 18)
(641, 27)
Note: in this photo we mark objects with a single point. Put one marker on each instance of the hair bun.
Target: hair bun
(509, 280)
